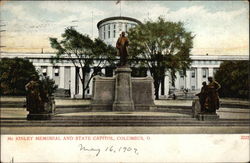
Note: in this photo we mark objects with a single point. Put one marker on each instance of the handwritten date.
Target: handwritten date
(110, 149)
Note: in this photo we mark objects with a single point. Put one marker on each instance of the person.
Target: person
(212, 101)
(174, 96)
(122, 46)
(185, 91)
(202, 96)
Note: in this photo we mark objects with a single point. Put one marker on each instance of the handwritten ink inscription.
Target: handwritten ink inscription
(109, 149)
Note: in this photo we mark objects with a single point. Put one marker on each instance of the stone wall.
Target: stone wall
(104, 93)
(143, 93)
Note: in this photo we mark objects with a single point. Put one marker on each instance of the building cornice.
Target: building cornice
(193, 57)
(117, 18)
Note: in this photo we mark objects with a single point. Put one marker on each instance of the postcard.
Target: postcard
(124, 81)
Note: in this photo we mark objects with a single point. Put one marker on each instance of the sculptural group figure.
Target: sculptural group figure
(209, 97)
(37, 97)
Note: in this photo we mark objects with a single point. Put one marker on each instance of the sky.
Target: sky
(220, 27)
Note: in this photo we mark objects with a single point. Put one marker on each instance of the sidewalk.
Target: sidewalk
(20, 101)
(15, 107)
(14, 110)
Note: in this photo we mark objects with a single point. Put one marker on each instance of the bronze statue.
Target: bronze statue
(122, 46)
(34, 101)
(37, 99)
(202, 96)
(212, 101)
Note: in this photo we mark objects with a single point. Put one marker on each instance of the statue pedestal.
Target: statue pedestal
(39, 116)
(123, 90)
(46, 113)
(196, 108)
(123, 93)
(207, 117)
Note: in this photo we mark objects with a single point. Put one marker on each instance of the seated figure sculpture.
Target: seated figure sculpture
(38, 102)
(34, 101)
(208, 97)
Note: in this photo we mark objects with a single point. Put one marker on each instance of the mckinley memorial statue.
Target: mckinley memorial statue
(122, 46)
(123, 92)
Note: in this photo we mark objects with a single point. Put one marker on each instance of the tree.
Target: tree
(14, 74)
(82, 51)
(47, 84)
(164, 46)
(233, 77)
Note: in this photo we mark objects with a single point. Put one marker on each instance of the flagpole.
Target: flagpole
(92, 23)
(120, 1)
(120, 8)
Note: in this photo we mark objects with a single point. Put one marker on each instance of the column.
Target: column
(177, 80)
(103, 71)
(72, 81)
(166, 82)
(210, 71)
(91, 83)
(188, 79)
(80, 82)
(50, 72)
(148, 73)
(159, 91)
(61, 74)
(199, 78)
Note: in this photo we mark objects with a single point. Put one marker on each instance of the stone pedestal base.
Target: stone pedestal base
(47, 111)
(207, 117)
(123, 93)
(40, 116)
(123, 90)
(123, 106)
(196, 108)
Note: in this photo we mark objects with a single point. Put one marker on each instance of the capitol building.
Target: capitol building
(110, 28)
(65, 73)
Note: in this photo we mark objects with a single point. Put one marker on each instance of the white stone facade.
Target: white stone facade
(64, 73)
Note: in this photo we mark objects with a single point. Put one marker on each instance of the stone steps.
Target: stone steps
(79, 121)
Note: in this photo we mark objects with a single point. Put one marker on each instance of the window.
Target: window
(44, 70)
(139, 72)
(56, 71)
(97, 70)
(109, 31)
(114, 31)
(204, 73)
(181, 74)
(193, 73)
(109, 71)
(120, 26)
(126, 27)
(193, 87)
